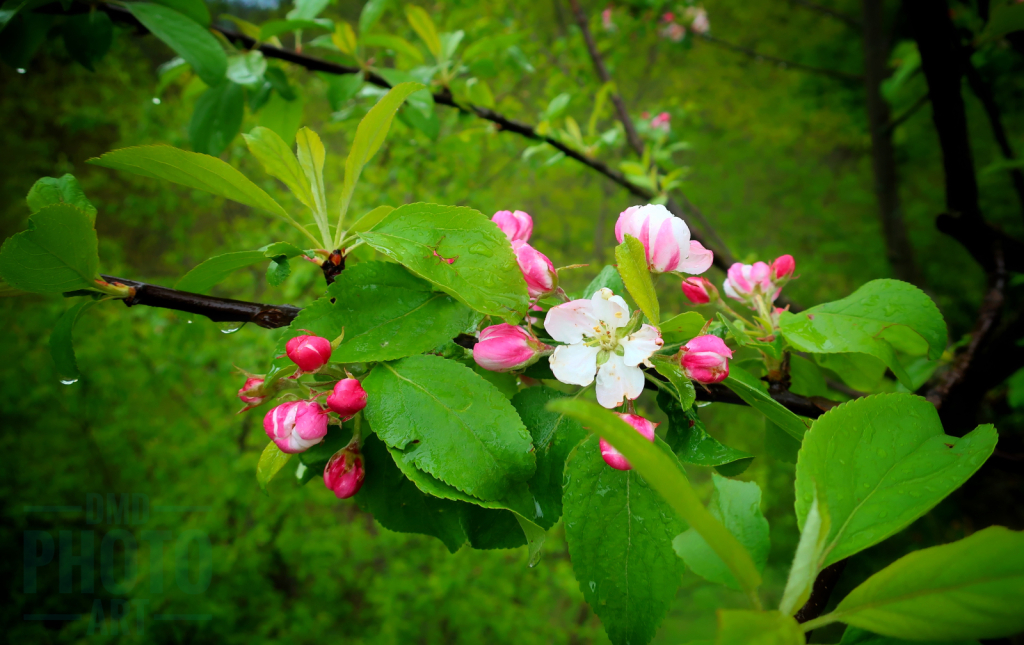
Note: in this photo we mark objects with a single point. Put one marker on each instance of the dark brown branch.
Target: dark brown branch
(826, 581)
(837, 74)
(832, 13)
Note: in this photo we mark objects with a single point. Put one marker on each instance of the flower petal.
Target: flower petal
(669, 245)
(571, 322)
(640, 345)
(616, 381)
(574, 364)
(610, 309)
(698, 261)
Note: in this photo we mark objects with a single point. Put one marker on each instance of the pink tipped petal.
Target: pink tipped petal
(738, 279)
(571, 322)
(616, 382)
(640, 345)
(574, 364)
(709, 343)
(627, 224)
(665, 254)
(517, 226)
(698, 261)
(761, 274)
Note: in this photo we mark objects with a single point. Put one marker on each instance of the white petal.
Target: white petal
(698, 261)
(574, 364)
(616, 381)
(610, 309)
(571, 322)
(640, 345)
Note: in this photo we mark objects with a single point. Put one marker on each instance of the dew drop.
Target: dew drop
(480, 249)
(156, 101)
(68, 381)
(21, 70)
(229, 327)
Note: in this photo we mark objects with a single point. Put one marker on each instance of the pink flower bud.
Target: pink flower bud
(310, 353)
(251, 393)
(296, 426)
(661, 122)
(613, 457)
(344, 472)
(517, 225)
(700, 24)
(666, 239)
(538, 271)
(783, 267)
(745, 281)
(699, 290)
(506, 347)
(668, 16)
(705, 359)
(348, 398)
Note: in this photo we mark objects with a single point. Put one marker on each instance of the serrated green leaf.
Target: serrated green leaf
(370, 135)
(399, 505)
(483, 272)
(311, 153)
(665, 475)
(748, 388)
(973, 588)
(64, 190)
(271, 462)
(745, 627)
(680, 383)
(681, 328)
(857, 636)
(737, 505)
(217, 117)
(632, 261)
(554, 436)
(691, 443)
(619, 532)
(385, 312)
(186, 37)
(882, 462)
(422, 24)
(807, 559)
(450, 423)
(62, 348)
(57, 253)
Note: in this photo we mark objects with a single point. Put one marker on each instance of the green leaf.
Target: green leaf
(277, 159)
(191, 169)
(341, 88)
(87, 37)
(399, 505)
(311, 153)
(385, 314)
(62, 348)
(282, 115)
(371, 13)
(608, 278)
(749, 388)
(424, 27)
(186, 37)
(737, 505)
(274, 28)
(680, 384)
(681, 328)
(1004, 19)
(217, 118)
(554, 436)
(213, 271)
(194, 9)
(369, 220)
(307, 9)
(57, 253)
(691, 443)
(370, 135)
(271, 462)
(665, 475)
(620, 534)
(806, 560)
(506, 382)
(745, 627)
(778, 444)
(862, 372)
(882, 462)
(973, 588)
(450, 423)
(479, 93)
(632, 261)
(857, 636)
(279, 81)
(65, 190)
(247, 69)
(278, 271)
(806, 377)
(557, 106)
(483, 272)
(880, 318)
(773, 349)
(396, 43)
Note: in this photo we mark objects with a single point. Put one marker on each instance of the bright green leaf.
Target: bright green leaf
(371, 13)
(680, 384)
(806, 560)
(750, 389)
(341, 88)
(370, 219)
(307, 9)
(247, 69)
(277, 159)
(681, 328)
(194, 9)
(311, 153)
(186, 37)
(632, 261)
(271, 462)
(278, 271)
(744, 627)
(424, 27)
(57, 253)
(65, 190)
(275, 28)
(396, 43)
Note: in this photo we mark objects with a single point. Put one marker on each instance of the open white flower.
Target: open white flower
(597, 339)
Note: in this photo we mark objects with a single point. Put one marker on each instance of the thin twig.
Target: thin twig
(906, 114)
(837, 74)
(832, 13)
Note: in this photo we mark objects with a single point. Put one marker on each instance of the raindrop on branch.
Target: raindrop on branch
(68, 381)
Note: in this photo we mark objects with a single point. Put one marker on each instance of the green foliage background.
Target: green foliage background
(779, 162)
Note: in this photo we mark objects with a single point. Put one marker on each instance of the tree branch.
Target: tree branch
(832, 13)
(906, 114)
(840, 75)
(826, 581)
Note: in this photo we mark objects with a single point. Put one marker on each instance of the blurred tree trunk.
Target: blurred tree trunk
(883, 159)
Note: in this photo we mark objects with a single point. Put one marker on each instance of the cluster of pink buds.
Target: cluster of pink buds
(674, 31)
(538, 271)
(505, 347)
(296, 426)
(613, 457)
(757, 283)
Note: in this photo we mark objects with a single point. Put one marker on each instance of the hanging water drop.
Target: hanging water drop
(68, 381)
(229, 327)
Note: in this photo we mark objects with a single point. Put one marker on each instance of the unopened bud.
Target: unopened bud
(344, 472)
(705, 359)
(296, 426)
(506, 347)
(699, 290)
(613, 457)
(783, 267)
(538, 271)
(348, 398)
(516, 225)
(310, 353)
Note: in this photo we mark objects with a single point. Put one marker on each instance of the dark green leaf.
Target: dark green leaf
(194, 9)
(278, 271)
(751, 390)
(737, 505)
(748, 627)
(186, 37)
(778, 444)
(217, 118)
(857, 636)
(342, 88)
(882, 462)
(62, 348)
(22, 37)
(57, 253)
(680, 384)
(483, 272)
(807, 559)
(632, 261)
(806, 377)
(689, 440)
(506, 382)
(65, 190)
(87, 37)
(608, 278)
(619, 532)
(279, 81)
(450, 423)
(210, 272)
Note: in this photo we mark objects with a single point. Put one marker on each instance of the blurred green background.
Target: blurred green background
(779, 161)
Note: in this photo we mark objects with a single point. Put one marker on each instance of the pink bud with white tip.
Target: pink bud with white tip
(310, 353)
(705, 359)
(517, 225)
(296, 426)
(506, 347)
(538, 271)
(613, 457)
